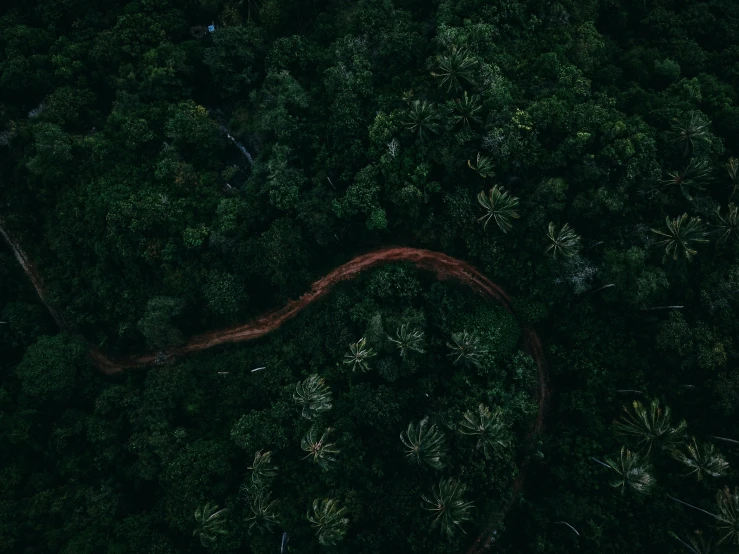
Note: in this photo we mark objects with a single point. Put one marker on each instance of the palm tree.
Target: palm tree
(732, 168)
(328, 520)
(262, 470)
(632, 470)
(488, 427)
(730, 225)
(447, 506)
(408, 340)
(693, 176)
(467, 108)
(359, 354)
(263, 515)
(500, 206)
(466, 348)
(424, 444)
(483, 166)
(455, 67)
(702, 460)
(210, 523)
(728, 516)
(319, 450)
(564, 241)
(696, 544)
(422, 119)
(682, 233)
(314, 395)
(650, 425)
(690, 130)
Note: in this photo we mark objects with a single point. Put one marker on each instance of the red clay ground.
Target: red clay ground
(445, 267)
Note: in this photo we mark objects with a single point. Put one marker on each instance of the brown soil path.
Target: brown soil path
(443, 266)
(30, 270)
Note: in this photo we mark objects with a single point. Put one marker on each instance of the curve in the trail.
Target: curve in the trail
(445, 267)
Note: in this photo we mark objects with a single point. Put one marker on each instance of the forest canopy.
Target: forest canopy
(164, 179)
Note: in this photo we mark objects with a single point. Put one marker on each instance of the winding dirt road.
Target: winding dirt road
(443, 266)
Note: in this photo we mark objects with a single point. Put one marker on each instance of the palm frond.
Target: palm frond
(633, 472)
(483, 166)
(422, 119)
(408, 340)
(701, 460)
(466, 348)
(488, 426)
(328, 520)
(500, 206)
(697, 544)
(359, 355)
(682, 235)
(728, 515)
(314, 395)
(424, 444)
(690, 130)
(455, 67)
(564, 241)
(650, 426)
(210, 524)
(692, 176)
(447, 506)
(262, 469)
(262, 512)
(729, 225)
(319, 450)
(467, 108)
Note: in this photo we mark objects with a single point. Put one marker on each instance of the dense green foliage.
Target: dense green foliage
(248, 452)
(165, 184)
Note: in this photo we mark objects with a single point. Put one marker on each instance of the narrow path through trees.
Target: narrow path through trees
(443, 266)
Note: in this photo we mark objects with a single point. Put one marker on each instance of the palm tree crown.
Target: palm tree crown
(262, 514)
(210, 523)
(466, 348)
(455, 67)
(689, 130)
(693, 176)
(408, 340)
(318, 449)
(632, 470)
(467, 108)
(697, 544)
(702, 460)
(650, 425)
(682, 233)
(328, 520)
(483, 166)
(422, 119)
(314, 395)
(424, 444)
(262, 469)
(488, 427)
(728, 516)
(564, 242)
(447, 506)
(499, 205)
(729, 225)
(359, 355)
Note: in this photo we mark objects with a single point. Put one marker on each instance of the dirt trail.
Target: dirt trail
(443, 266)
(30, 270)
